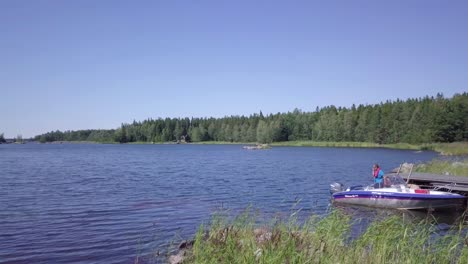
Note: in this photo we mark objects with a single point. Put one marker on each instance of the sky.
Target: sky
(69, 65)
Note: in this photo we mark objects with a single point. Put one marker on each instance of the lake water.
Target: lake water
(85, 203)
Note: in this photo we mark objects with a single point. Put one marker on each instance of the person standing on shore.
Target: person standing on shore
(378, 176)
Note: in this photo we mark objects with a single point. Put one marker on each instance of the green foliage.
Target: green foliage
(414, 121)
(19, 139)
(454, 148)
(457, 168)
(264, 132)
(100, 135)
(121, 135)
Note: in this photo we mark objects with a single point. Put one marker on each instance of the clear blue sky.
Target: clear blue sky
(71, 65)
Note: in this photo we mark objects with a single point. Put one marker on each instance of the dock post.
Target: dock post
(409, 175)
(398, 172)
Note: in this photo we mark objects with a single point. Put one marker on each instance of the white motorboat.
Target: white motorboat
(396, 194)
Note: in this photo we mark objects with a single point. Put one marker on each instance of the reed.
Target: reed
(326, 240)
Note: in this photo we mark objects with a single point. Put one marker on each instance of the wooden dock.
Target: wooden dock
(458, 184)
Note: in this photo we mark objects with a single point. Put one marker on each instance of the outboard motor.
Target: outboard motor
(336, 187)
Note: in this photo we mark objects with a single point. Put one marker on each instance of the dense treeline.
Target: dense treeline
(99, 135)
(421, 120)
(2, 138)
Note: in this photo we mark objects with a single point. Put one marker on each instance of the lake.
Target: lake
(93, 203)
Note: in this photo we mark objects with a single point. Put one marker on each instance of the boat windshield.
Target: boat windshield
(394, 180)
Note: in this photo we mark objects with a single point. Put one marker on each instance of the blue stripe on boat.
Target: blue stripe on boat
(389, 195)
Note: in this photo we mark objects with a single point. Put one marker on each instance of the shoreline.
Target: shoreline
(446, 149)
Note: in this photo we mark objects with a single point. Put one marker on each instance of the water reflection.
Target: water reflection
(108, 203)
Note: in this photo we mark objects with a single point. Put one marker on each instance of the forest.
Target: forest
(415, 121)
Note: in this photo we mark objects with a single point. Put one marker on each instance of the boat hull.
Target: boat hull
(399, 200)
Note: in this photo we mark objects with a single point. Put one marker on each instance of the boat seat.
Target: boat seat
(414, 186)
(422, 191)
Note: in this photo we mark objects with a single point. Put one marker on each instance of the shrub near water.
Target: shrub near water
(326, 240)
(458, 168)
(454, 148)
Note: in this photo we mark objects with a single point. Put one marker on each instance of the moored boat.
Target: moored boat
(258, 146)
(396, 194)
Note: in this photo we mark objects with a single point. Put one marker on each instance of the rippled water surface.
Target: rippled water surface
(80, 203)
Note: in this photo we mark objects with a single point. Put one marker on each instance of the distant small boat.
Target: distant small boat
(258, 146)
(396, 195)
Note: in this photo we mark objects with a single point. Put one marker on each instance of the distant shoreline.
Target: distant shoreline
(455, 148)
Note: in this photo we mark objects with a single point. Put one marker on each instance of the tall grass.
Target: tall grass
(326, 240)
(458, 168)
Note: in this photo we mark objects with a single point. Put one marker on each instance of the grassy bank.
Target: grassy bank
(349, 145)
(456, 148)
(457, 168)
(80, 142)
(325, 241)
